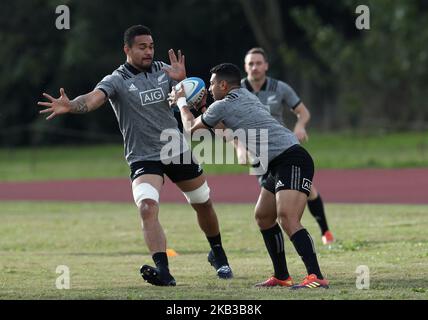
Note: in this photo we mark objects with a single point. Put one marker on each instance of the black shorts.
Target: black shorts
(176, 172)
(291, 170)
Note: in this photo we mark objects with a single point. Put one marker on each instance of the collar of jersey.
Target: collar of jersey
(250, 88)
(134, 70)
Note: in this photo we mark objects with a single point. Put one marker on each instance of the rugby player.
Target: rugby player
(137, 91)
(278, 96)
(289, 166)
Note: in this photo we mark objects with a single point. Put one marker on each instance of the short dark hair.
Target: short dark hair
(228, 72)
(133, 31)
(259, 51)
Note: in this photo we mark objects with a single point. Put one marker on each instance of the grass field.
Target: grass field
(338, 150)
(102, 245)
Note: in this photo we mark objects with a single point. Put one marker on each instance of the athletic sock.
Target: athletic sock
(161, 260)
(274, 242)
(217, 248)
(304, 245)
(316, 207)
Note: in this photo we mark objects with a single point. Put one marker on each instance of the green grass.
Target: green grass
(102, 245)
(338, 150)
(352, 150)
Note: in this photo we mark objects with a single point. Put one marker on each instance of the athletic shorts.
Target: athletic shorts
(291, 170)
(176, 172)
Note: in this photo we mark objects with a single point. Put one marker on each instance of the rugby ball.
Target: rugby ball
(194, 89)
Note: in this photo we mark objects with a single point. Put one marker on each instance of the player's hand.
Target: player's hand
(55, 106)
(202, 106)
(177, 70)
(175, 94)
(301, 134)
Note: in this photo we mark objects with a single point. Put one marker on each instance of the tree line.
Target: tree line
(349, 78)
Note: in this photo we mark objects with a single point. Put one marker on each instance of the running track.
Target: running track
(407, 186)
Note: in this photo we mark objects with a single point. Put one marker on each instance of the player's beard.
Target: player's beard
(146, 64)
(256, 77)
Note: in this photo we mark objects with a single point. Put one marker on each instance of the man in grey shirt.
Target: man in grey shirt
(137, 91)
(278, 97)
(290, 169)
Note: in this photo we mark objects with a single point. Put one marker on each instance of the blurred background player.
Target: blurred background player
(138, 91)
(278, 96)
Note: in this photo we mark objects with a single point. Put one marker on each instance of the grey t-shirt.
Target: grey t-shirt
(139, 100)
(277, 95)
(240, 109)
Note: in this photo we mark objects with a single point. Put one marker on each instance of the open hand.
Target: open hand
(55, 106)
(177, 68)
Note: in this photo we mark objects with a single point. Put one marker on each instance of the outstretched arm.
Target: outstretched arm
(82, 104)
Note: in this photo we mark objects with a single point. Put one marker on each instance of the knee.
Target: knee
(199, 196)
(288, 222)
(264, 221)
(203, 208)
(148, 209)
(285, 217)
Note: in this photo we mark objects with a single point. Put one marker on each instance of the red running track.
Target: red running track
(407, 186)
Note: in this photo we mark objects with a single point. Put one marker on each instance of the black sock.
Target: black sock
(217, 248)
(161, 260)
(305, 248)
(316, 207)
(274, 242)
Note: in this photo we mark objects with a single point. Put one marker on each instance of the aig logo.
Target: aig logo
(307, 184)
(152, 96)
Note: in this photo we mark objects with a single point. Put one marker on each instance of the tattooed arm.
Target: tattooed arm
(81, 104)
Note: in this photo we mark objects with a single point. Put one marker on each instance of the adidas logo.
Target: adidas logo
(279, 184)
(132, 87)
